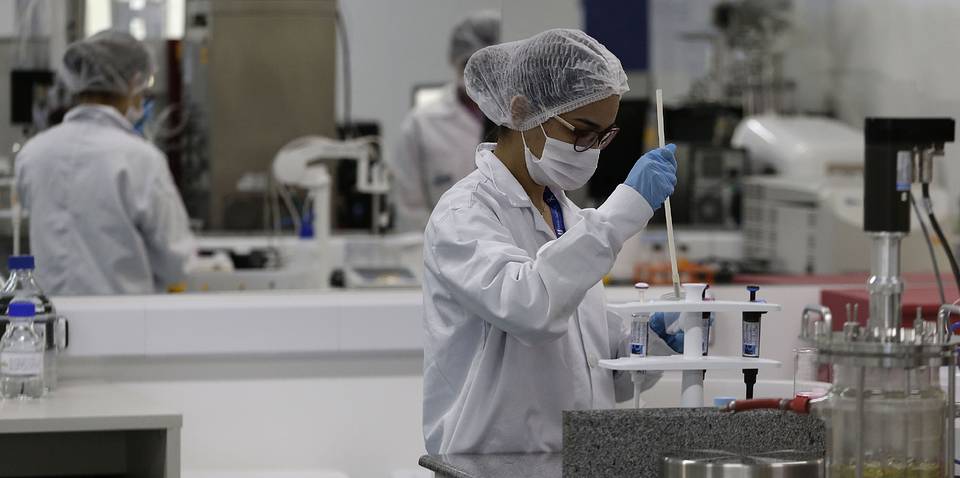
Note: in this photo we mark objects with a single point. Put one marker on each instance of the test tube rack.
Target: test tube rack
(692, 363)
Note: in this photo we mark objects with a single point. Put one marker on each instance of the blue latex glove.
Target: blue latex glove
(654, 175)
(660, 322)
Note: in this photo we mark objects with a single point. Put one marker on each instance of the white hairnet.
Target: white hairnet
(555, 72)
(474, 32)
(109, 62)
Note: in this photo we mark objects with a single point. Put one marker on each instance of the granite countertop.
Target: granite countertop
(537, 465)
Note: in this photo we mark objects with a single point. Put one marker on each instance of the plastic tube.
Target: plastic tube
(667, 212)
(925, 188)
(799, 404)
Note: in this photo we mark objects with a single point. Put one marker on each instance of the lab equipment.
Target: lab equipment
(692, 363)
(819, 164)
(886, 414)
(751, 327)
(722, 464)
(640, 326)
(751, 341)
(551, 73)
(511, 291)
(111, 61)
(21, 354)
(50, 328)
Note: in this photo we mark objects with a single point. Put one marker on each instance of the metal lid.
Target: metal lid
(723, 464)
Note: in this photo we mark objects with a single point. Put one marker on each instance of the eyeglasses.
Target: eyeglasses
(586, 139)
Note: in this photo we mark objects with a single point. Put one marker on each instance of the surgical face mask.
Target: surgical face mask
(560, 167)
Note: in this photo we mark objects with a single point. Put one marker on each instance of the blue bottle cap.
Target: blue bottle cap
(722, 402)
(20, 262)
(21, 309)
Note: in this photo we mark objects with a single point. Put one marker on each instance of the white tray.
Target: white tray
(705, 306)
(679, 362)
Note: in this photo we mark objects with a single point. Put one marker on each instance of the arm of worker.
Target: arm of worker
(529, 297)
(165, 227)
(408, 176)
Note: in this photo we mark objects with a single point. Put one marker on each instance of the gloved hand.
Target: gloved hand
(654, 175)
(660, 322)
(667, 327)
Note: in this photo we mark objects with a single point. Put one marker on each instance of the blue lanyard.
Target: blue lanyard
(556, 213)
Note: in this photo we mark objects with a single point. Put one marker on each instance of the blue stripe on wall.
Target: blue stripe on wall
(623, 27)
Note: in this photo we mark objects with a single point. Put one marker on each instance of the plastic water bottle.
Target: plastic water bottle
(21, 354)
(22, 286)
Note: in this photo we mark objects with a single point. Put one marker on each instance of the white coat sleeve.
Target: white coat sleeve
(408, 176)
(531, 298)
(165, 226)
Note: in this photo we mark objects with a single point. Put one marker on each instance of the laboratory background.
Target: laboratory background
(266, 313)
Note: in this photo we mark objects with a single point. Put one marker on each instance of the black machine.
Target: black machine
(898, 153)
(27, 88)
(709, 173)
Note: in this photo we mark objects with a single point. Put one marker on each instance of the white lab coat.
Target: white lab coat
(436, 149)
(515, 318)
(105, 216)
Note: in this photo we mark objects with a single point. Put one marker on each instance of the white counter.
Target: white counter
(335, 352)
(329, 322)
(90, 429)
(237, 323)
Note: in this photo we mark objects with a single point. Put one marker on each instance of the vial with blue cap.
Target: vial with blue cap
(21, 354)
(640, 326)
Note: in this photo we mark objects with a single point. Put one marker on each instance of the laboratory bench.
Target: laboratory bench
(89, 429)
(535, 465)
(627, 442)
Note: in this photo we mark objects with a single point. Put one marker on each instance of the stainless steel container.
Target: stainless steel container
(722, 464)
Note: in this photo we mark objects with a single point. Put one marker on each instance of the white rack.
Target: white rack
(692, 362)
(675, 363)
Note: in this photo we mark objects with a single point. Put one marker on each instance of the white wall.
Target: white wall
(395, 46)
(525, 18)
(898, 57)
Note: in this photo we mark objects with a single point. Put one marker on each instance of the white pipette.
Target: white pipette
(671, 245)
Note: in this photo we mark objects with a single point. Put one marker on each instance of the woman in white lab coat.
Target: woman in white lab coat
(105, 216)
(437, 139)
(515, 313)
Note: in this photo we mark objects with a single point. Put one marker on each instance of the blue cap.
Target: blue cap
(20, 262)
(21, 309)
(722, 402)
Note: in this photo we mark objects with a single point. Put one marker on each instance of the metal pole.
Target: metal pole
(861, 417)
(948, 471)
(885, 285)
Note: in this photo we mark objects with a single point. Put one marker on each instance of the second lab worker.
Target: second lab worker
(437, 139)
(515, 310)
(105, 215)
